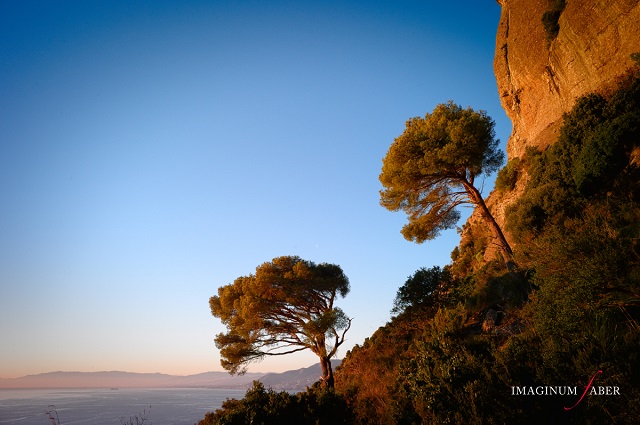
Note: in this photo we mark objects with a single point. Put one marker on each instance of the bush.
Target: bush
(425, 289)
(316, 406)
(508, 176)
(577, 228)
(452, 378)
(589, 161)
(495, 285)
(369, 376)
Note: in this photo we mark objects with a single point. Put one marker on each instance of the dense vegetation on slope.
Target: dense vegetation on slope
(465, 336)
(573, 311)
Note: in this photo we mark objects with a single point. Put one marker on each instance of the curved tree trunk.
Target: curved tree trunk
(327, 372)
(476, 197)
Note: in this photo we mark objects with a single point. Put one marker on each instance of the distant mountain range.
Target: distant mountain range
(293, 380)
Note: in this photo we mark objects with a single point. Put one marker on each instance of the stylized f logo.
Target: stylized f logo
(586, 390)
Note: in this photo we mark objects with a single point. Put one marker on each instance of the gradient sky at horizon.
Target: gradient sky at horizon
(151, 152)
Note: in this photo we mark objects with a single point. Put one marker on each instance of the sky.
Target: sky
(153, 151)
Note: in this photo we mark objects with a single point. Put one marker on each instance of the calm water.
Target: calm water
(106, 407)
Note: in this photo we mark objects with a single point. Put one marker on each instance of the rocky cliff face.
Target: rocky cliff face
(540, 77)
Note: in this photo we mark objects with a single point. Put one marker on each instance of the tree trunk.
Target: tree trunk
(505, 248)
(327, 372)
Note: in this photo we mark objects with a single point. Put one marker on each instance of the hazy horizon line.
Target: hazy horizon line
(153, 373)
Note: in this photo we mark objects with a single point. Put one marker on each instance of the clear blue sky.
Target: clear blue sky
(152, 151)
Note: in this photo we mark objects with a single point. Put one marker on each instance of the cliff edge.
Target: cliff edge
(542, 68)
(541, 74)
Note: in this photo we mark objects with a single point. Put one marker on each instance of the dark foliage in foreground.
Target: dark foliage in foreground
(572, 310)
(318, 405)
(466, 335)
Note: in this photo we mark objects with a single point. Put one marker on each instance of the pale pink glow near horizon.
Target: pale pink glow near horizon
(151, 153)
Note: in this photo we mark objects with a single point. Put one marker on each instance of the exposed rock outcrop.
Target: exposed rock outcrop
(540, 79)
(491, 319)
(539, 76)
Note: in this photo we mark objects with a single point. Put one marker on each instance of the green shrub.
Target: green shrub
(316, 406)
(425, 289)
(577, 233)
(495, 285)
(589, 161)
(369, 376)
(508, 176)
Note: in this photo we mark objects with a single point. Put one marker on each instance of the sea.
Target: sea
(160, 406)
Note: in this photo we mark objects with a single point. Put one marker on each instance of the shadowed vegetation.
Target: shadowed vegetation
(466, 334)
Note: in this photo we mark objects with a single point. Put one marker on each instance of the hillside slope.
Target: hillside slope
(569, 197)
